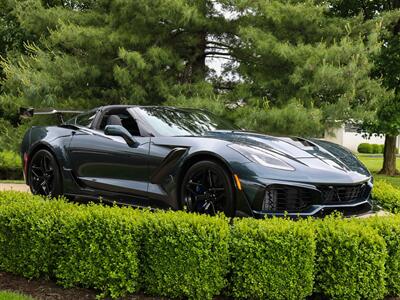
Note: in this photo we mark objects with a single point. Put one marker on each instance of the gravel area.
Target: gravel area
(14, 187)
(380, 213)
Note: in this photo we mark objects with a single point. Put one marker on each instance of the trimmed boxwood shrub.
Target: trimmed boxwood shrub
(91, 246)
(10, 160)
(185, 255)
(350, 260)
(100, 248)
(389, 229)
(386, 196)
(272, 259)
(28, 226)
(364, 148)
(9, 197)
(377, 148)
(176, 254)
(372, 148)
(382, 148)
(10, 165)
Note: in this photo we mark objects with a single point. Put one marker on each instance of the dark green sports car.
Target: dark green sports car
(176, 158)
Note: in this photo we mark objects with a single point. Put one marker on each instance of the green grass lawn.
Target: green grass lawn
(12, 181)
(6, 295)
(374, 164)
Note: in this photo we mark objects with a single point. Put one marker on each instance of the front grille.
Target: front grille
(342, 194)
(281, 198)
(287, 198)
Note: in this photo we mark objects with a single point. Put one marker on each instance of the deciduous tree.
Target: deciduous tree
(386, 118)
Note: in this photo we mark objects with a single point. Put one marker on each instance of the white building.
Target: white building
(348, 136)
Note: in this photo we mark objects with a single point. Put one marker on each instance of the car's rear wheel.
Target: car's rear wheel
(44, 175)
(207, 188)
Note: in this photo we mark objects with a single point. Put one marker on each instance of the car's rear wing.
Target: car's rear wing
(30, 112)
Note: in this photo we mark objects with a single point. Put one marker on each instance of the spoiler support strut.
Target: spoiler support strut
(30, 112)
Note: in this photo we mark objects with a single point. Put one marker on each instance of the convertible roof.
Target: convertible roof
(117, 106)
(106, 107)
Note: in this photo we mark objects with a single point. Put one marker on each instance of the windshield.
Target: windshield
(168, 121)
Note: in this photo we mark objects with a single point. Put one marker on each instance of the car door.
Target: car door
(108, 165)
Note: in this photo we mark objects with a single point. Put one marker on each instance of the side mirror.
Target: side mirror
(117, 130)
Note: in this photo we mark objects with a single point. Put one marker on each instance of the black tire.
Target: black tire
(207, 188)
(44, 175)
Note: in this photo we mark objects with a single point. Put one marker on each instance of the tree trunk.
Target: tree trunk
(199, 65)
(389, 156)
(196, 69)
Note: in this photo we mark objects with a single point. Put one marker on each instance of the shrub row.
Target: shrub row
(10, 165)
(184, 255)
(272, 259)
(176, 254)
(91, 247)
(350, 261)
(372, 148)
(386, 196)
(111, 249)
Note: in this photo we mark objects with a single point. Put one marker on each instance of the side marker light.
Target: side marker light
(237, 181)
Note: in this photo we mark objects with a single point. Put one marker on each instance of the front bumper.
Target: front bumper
(314, 199)
(351, 209)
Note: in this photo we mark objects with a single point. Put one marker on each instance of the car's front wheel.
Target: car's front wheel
(44, 175)
(207, 188)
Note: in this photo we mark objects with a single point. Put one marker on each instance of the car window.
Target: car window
(127, 121)
(179, 122)
(84, 120)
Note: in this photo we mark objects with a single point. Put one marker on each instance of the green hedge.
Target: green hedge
(10, 160)
(175, 254)
(27, 234)
(364, 148)
(272, 259)
(99, 249)
(10, 165)
(378, 148)
(386, 196)
(350, 261)
(389, 229)
(90, 246)
(185, 255)
(372, 148)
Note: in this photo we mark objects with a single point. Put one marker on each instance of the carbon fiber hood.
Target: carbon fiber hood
(314, 153)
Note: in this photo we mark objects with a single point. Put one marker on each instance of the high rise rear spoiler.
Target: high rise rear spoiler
(30, 112)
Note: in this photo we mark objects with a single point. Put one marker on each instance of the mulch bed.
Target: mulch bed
(48, 290)
(11, 174)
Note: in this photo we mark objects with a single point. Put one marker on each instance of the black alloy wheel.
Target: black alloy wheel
(44, 175)
(207, 188)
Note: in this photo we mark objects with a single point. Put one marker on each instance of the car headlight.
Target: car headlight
(262, 157)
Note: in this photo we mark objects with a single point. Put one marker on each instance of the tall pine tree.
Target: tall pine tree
(97, 52)
(294, 53)
(298, 67)
(386, 118)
